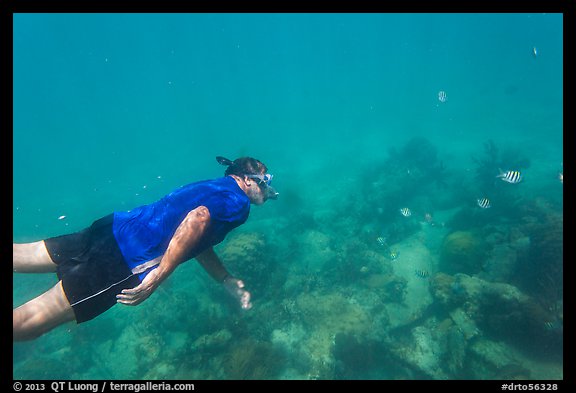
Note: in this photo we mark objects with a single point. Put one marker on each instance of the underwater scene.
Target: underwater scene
(418, 230)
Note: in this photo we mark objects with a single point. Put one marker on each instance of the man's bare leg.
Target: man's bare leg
(32, 258)
(41, 314)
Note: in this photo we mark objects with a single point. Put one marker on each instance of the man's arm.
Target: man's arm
(187, 235)
(212, 264)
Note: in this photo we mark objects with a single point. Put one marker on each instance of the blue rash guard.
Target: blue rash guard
(144, 233)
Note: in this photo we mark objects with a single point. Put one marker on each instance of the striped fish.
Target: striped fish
(484, 203)
(442, 96)
(552, 325)
(510, 176)
(405, 212)
(422, 273)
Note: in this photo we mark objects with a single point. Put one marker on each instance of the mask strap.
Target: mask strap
(224, 161)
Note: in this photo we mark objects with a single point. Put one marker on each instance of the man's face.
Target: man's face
(256, 193)
(259, 188)
(263, 181)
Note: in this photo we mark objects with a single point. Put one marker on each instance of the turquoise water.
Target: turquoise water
(115, 110)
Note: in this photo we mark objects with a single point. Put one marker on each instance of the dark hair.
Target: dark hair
(242, 166)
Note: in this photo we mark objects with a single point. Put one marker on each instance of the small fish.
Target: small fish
(510, 176)
(484, 203)
(381, 240)
(394, 254)
(405, 212)
(422, 273)
(534, 51)
(61, 217)
(442, 96)
(428, 218)
(549, 325)
(561, 177)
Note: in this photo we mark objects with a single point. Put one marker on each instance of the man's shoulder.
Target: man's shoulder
(220, 193)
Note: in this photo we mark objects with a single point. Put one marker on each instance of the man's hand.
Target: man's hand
(137, 295)
(236, 288)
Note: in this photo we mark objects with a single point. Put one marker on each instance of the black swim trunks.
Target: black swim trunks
(91, 267)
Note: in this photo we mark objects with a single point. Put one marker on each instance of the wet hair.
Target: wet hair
(242, 166)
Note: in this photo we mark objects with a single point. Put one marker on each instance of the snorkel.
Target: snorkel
(271, 193)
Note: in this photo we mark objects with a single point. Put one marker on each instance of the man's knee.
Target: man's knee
(42, 314)
(32, 257)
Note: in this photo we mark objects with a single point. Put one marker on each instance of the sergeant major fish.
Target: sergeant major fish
(405, 212)
(510, 176)
(422, 273)
(484, 203)
(442, 96)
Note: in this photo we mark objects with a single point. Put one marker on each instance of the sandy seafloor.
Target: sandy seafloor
(114, 111)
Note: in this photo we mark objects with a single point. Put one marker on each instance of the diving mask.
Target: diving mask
(264, 182)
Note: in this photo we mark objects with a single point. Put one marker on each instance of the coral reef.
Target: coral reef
(249, 256)
(334, 312)
(408, 177)
(456, 346)
(542, 268)
(499, 310)
(390, 288)
(418, 152)
(358, 358)
(495, 360)
(316, 251)
(251, 359)
(326, 315)
(486, 321)
(506, 250)
(420, 157)
(212, 342)
(462, 252)
(43, 367)
(463, 290)
(243, 245)
(421, 353)
(488, 165)
(131, 354)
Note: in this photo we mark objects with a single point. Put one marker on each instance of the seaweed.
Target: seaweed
(542, 270)
(493, 160)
